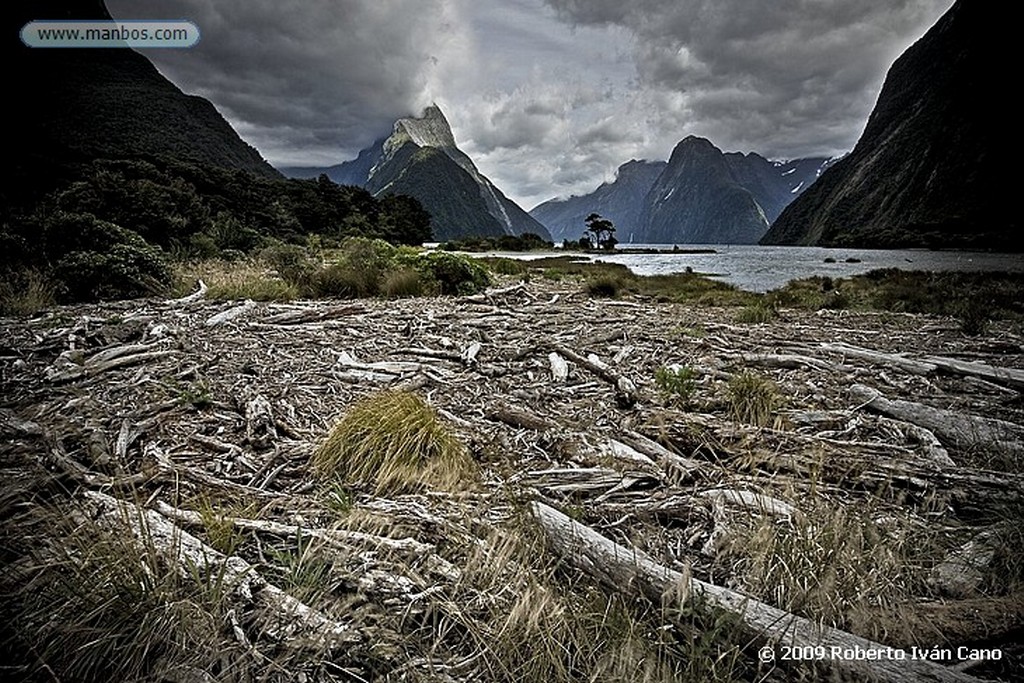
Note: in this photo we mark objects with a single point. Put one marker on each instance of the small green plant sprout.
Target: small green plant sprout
(395, 443)
(676, 382)
(753, 398)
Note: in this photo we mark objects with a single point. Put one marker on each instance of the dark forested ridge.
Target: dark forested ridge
(926, 171)
(114, 171)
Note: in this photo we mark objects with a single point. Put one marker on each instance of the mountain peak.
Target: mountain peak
(431, 129)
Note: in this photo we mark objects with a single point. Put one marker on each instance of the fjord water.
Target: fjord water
(759, 269)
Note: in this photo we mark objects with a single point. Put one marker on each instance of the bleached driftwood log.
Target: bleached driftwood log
(958, 429)
(628, 569)
(111, 359)
(786, 361)
(1007, 377)
(284, 618)
(914, 367)
(312, 315)
(625, 390)
(758, 502)
(230, 314)
(189, 298)
(334, 537)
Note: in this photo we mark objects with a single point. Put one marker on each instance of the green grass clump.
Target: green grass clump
(393, 442)
(758, 312)
(402, 283)
(605, 286)
(753, 398)
(675, 382)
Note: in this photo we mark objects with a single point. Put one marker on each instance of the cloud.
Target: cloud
(786, 78)
(547, 96)
(313, 82)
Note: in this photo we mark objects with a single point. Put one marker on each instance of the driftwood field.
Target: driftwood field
(647, 492)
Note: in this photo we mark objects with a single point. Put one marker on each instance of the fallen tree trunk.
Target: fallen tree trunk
(1007, 377)
(958, 429)
(914, 367)
(285, 619)
(625, 390)
(627, 569)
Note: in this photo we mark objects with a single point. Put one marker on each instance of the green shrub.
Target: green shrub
(452, 273)
(676, 382)
(394, 442)
(127, 269)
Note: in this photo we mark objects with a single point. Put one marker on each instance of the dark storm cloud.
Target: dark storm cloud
(312, 81)
(786, 77)
(547, 96)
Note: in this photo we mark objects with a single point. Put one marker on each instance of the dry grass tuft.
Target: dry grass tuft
(394, 442)
(753, 398)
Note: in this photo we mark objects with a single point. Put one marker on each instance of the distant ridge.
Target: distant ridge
(701, 195)
(929, 168)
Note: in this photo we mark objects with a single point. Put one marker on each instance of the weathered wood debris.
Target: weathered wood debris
(158, 418)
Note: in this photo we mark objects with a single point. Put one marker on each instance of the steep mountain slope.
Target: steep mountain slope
(774, 184)
(924, 171)
(75, 105)
(629, 203)
(620, 201)
(698, 200)
(420, 158)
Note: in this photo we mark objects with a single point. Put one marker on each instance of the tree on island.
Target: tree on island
(600, 231)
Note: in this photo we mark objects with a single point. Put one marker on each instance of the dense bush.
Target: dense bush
(124, 271)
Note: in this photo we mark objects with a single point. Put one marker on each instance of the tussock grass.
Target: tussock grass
(26, 292)
(676, 382)
(405, 282)
(759, 311)
(394, 442)
(753, 398)
(98, 606)
(856, 566)
(513, 610)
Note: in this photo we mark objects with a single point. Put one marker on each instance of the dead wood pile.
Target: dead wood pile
(151, 414)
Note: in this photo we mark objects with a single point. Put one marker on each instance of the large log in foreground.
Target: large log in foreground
(628, 569)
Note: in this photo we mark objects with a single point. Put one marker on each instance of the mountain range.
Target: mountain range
(928, 169)
(699, 196)
(420, 159)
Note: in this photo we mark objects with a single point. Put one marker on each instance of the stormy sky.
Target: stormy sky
(547, 96)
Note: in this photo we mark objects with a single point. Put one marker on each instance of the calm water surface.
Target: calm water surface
(759, 269)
